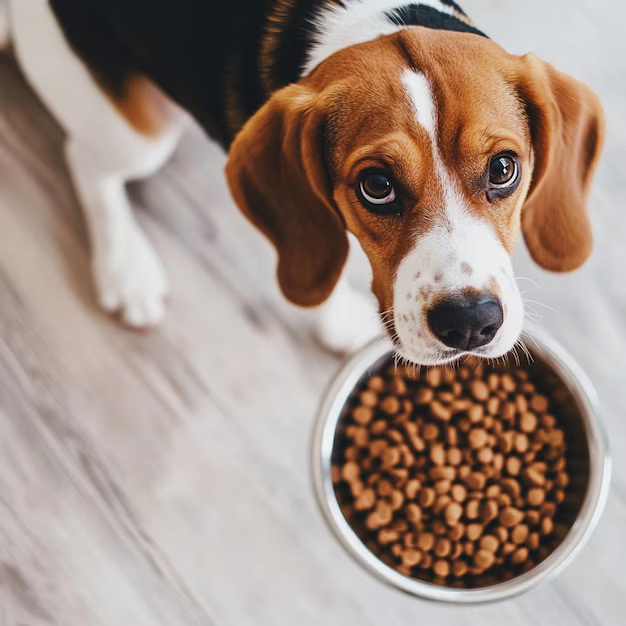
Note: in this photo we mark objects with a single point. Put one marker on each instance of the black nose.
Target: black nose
(466, 323)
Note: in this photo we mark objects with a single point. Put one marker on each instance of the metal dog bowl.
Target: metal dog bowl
(593, 495)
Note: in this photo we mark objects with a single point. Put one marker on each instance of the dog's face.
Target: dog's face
(432, 148)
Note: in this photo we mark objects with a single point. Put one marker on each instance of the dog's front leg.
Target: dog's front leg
(129, 276)
(348, 319)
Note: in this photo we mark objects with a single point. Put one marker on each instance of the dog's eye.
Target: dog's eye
(503, 171)
(377, 189)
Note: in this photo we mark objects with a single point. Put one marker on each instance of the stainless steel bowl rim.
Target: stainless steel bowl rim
(600, 470)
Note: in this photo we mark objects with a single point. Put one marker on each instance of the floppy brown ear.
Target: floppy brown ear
(567, 131)
(278, 178)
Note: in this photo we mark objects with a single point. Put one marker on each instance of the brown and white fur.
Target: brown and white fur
(430, 105)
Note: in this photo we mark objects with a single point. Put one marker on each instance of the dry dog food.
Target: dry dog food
(454, 475)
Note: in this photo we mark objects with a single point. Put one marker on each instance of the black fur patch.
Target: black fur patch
(422, 15)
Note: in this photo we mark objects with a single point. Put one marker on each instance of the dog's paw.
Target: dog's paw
(348, 321)
(132, 282)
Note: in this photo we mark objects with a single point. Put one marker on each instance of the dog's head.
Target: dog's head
(432, 148)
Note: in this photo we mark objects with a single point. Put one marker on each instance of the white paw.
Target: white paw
(131, 281)
(348, 321)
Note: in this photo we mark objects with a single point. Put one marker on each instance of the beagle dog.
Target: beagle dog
(398, 122)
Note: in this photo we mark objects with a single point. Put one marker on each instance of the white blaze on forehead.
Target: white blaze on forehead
(459, 251)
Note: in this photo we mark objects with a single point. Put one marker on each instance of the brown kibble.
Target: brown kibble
(507, 412)
(377, 447)
(488, 511)
(443, 547)
(472, 509)
(424, 395)
(441, 503)
(475, 413)
(485, 456)
(430, 432)
(469, 548)
(457, 551)
(447, 397)
(369, 398)
(533, 541)
(458, 493)
(476, 481)
(411, 488)
(385, 488)
(335, 474)
(386, 536)
(427, 561)
(356, 487)
(456, 532)
(350, 471)
(411, 557)
(528, 422)
(442, 472)
(455, 456)
(504, 500)
(507, 383)
(395, 436)
(442, 486)
(391, 457)
(511, 486)
(396, 550)
(453, 514)
(378, 427)
(548, 509)
(534, 476)
(427, 497)
(425, 541)
(457, 388)
(438, 454)
(398, 386)
(418, 444)
(413, 513)
(459, 569)
(433, 376)
(547, 526)
(439, 528)
(513, 466)
(441, 568)
(508, 548)
(440, 411)
(536, 496)
(519, 556)
(397, 499)
(379, 517)
(489, 543)
(521, 404)
(493, 405)
(493, 381)
(363, 414)
(510, 517)
(484, 559)
(376, 383)
(533, 517)
(477, 437)
(539, 403)
(505, 442)
(519, 534)
(479, 390)
(493, 491)
(366, 500)
(498, 461)
(460, 405)
(502, 534)
(562, 480)
(473, 531)
(559, 495)
(390, 405)
(521, 443)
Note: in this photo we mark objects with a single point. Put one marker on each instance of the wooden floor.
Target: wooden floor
(163, 480)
